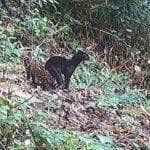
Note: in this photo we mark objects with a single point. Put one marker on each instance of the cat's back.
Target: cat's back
(56, 60)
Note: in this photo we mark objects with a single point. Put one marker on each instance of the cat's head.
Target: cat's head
(82, 55)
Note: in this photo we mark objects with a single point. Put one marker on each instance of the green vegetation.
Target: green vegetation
(108, 103)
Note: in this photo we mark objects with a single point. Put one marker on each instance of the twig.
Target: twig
(37, 47)
(143, 109)
(15, 106)
(108, 33)
(22, 47)
(105, 81)
(42, 42)
(26, 48)
(2, 145)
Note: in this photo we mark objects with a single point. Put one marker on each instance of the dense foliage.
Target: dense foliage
(107, 106)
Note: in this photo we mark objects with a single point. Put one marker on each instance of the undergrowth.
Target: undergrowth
(31, 118)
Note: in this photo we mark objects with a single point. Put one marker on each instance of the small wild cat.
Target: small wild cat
(36, 71)
(58, 65)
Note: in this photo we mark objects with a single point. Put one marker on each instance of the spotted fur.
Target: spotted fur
(36, 71)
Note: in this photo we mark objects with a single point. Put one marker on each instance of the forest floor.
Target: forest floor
(77, 110)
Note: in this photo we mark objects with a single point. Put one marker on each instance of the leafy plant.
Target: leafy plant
(116, 90)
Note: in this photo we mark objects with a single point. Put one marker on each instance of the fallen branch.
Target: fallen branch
(143, 109)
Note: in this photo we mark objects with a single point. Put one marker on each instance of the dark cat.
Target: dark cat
(58, 65)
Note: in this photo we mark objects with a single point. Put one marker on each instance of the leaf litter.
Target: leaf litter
(78, 110)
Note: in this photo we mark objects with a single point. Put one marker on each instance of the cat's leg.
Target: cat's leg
(34, 84)
(67, 81)
(56, 73)
(59, 78)
(28, 74)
